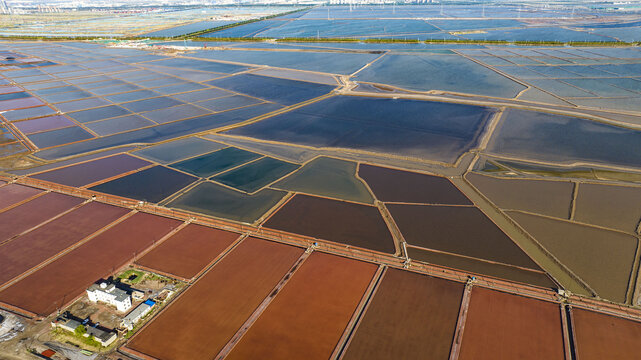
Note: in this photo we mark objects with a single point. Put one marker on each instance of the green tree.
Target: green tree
(80, 330)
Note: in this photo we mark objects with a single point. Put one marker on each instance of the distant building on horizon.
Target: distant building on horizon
(4, 8)
(378, 2)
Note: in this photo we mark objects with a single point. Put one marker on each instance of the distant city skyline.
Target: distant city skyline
(191, 2)
(17, 7)
(107, 3)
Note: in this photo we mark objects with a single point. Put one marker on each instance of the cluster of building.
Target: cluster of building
(122, 300)
(379, 2)
(67, 322)
(5, 9)
(110, 294)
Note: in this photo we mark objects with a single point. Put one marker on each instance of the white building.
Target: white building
(136, 314)
(111, 295)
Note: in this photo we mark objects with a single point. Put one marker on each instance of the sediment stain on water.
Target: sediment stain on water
(459, 230)
(601, 336)
(92, 171)
(329, 177)
(253, 176)
(281, 91)
(391, 185)
(338, 221)
(152, 184)
(440, 72)
(615, 207)
(14, 193)
(564, 139)
(31, 213)
(423, 129)
(219, 201)
(209, 164)
(179, 149)
(481, 267)
(551, 198)
(582, 249)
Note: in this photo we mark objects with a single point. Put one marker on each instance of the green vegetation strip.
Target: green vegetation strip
(135, 275)
(79, 336)
(195, 37)
(431, 41)
(223, 27)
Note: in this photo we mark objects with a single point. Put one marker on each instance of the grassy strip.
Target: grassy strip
(77, 337)
(464, 41)
(352, 40)
(432, 41)
(75, 38)
(47, 38)
(332, 40)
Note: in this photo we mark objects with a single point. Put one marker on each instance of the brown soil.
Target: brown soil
(92, 171)
(458, 230)
(538, 196)
(410, 316)
(201, 322)
(616, 207)
(600, 257)
(188, 251)
(391, 185)
(599, 336)
(98, 312)
(532, 277)
(26, 251)
(64, 279)
(338, 221)
(308, 317)
(502, 326)
(14, 193)
(34, 212)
